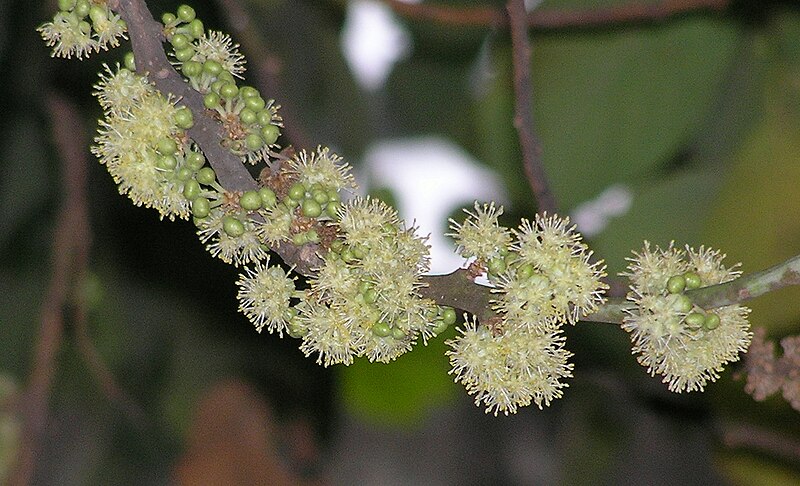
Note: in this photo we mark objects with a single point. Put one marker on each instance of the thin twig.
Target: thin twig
(634, 12)
(267, 72)
(523, 117)
(65, 241)
(758, 438)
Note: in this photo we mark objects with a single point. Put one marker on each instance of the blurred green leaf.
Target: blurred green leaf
(610, 106)
(400, 392)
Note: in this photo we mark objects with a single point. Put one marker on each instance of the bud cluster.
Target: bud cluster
(672, 335)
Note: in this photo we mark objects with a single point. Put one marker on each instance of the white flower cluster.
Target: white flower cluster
(672, 336)
(543, 278)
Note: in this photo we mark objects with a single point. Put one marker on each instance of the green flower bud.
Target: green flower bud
(695, 320)
(183, 174)
(381, 329)
(311, 208)
(195, 160)
(448, 316)
(676, 284)
(268, 198)
(206, 176)
(297, 191)
(184, 118)
(232, 226)
(270, 133)
(186, 13)
(711, 322)
(185, 54)
(191, 190)
(212, 67)
(693, 280)
(129, 61)
(250, 200)
(211, 100)
(253, 142)
(247, 116)
(201, 207)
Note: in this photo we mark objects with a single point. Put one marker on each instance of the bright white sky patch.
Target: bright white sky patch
(372, 42)
(593, 216)
(430, 177)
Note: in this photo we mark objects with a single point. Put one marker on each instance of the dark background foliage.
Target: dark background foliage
(698, 116)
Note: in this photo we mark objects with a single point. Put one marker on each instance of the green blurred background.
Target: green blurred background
(696, 117)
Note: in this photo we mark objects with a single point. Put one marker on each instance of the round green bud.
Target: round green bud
(311, 208)
(191, 190)
(268, 198)
(265, 117)
(290, 202)
(98, 14)
(695, 319)
(228, 91)
(250, 200)
(398, 333)
(712, 321)
(693, 280)
(332, 209)
(370, 296)
(195, 160)
(183, 174)
(299, 239)
(270, 134)
(206, 176)
(216, 85)
(129, 61)
(212, 67)
(226, 77)
(320, 196)
(192, 69)
(196, 28)
(211, 100)
(247, 116)
(439, 327)
(253, 142)
(359, 251)
(312, 236)
(85, 27)
(167, 162)
(247, 92)
(186, 13)
(180, 41)
(255, 103)
(201, 207)
(337, 245)
(184, 118)
(381, 329)
(346, 254)
(232, 226)
(449, 316)
(297, 191)
(168, 18)
(333, 195)
(66, 5)
(82, 8)
(167, 146)
(676, 284)
(185, 54)
(681, 303)
(496, 265)
(525, 271)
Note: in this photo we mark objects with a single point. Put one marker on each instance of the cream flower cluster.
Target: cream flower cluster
(82, 27)
(672, 336)
(544, 278)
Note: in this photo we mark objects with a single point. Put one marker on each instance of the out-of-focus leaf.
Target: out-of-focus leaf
(674, 208)
(757, 218)
(609, 106)
(402, 391)
(747, 470)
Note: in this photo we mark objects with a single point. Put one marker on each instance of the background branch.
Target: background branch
(67, 239)
(634, 12)
(523, 109)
